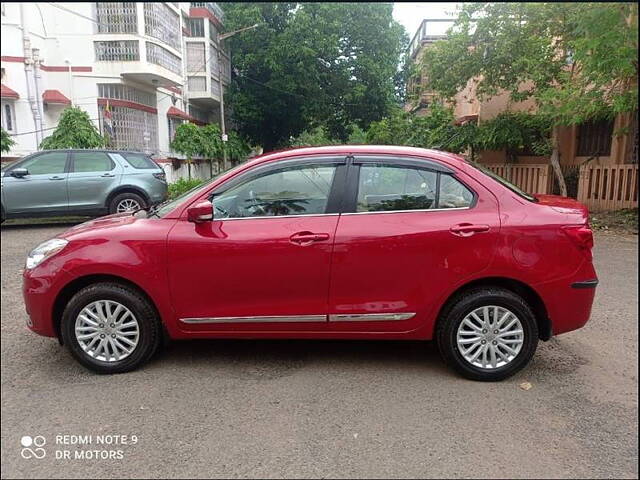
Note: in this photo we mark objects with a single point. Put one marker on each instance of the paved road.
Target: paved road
(330, 409)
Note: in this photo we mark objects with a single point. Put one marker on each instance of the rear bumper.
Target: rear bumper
(157, 191)
(569, 302)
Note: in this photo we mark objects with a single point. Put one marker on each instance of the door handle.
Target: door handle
(468, 229)
(307, 238)
(109, 175)
(56, 177)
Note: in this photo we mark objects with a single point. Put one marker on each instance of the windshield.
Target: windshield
(501, 180)
(169, 205)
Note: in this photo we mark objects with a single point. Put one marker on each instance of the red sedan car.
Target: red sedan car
(343, 242)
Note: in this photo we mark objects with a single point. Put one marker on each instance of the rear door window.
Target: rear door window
(92, 162)
(384, 188)
(453, 194)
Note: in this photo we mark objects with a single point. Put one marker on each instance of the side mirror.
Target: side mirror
(19, 172)
(201, 212)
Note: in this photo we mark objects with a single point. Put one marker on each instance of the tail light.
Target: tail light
(581, 235)
(161, 176)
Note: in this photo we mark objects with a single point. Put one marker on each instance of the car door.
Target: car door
(42, 190)
(263, 263)
(93, 175)
(413, 229)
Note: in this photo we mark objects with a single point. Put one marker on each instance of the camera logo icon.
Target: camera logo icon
(32, 447)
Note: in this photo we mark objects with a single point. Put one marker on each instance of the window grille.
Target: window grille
(195, 27)
(195, 57)
(594, 138)
(197, 84)
(125, 92)
(213, 61)
(213, 33)
(116, 17)
(132, 129)
(173, 124)
(117, 51)
(215, 87)
(198, 114)
(226, 70)
(163, 57)
(162, 23)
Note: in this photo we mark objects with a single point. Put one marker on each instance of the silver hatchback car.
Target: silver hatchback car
(81, 182)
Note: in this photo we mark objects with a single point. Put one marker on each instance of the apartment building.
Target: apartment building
(579, 143)
(153, 65)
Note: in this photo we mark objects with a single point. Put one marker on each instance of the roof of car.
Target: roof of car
(106, 150)
(448, 157)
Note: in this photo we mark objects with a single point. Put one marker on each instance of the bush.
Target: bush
(75, 130)
(181, 186)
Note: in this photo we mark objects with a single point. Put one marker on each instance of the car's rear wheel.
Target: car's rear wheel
(487, 334)
(126, 202)
(110, 328)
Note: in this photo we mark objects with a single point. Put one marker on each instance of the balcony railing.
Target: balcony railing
(125, 92)
(429, 31)
(213, 7)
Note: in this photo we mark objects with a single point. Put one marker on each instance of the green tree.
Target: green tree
(436, 130)
(211, 144)
(514, 132)
(75, 130)
(313, 138)
(577, 61)
(237, 147)
(6, 142)
(311, 64)
(189, 141)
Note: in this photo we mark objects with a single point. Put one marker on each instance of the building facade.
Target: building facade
(607, 142)
(152, 65)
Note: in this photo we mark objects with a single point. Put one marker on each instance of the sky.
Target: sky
(411, 14)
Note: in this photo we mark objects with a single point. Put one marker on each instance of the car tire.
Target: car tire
(497, 302)
(123, 199)
(111, 295)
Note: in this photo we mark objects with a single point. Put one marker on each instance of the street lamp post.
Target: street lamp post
(223, 129)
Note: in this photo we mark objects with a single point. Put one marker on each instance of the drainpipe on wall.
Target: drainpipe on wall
(28, 72)
(37, 61)
(68, 62)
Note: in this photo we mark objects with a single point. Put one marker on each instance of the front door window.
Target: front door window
(302, 190)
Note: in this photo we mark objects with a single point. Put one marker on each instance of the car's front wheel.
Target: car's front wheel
(110, 328)
(487, 334)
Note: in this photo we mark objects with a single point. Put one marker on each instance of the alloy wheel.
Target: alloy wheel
(127, 205)
(107, 330)
(490, 337)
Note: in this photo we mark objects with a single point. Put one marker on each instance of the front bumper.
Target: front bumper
(40, 288)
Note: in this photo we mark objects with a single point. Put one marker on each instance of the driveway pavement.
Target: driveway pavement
(325, 408)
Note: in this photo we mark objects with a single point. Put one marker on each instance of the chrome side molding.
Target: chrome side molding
(370, 317)
(342, 317)
(260, 319)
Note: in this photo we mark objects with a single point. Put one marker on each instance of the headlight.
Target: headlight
(44, 251)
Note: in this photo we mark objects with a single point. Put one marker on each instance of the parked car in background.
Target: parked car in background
(341, 242)
(81, 182)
